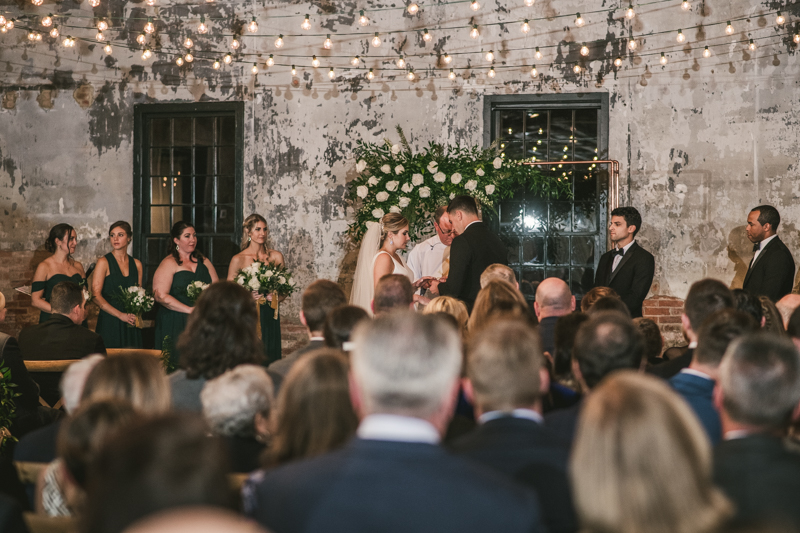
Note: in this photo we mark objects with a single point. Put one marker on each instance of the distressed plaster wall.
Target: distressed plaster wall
(701, 141)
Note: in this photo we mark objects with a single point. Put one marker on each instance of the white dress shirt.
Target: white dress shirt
(397, 428)
(426, 258)
(618, 258)
(761, 247)
(528, 414)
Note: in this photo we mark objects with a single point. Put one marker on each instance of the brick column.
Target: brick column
(666, 311)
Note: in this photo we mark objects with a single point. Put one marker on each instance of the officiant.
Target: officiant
(431, 257)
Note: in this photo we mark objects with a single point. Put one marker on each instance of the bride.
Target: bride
(378, 257)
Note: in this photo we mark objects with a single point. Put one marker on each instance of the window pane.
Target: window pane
(536, 127)
(159, 162)
(585, 217)
(181, 212)
(183, 132)
(156, 248)
(182, 161)
(511, 150)
(227, 131)
(582, 281)
(205, 219)
(561, 124)
(586, 123)
(513, 245)
(560, 216)
(558, 250)
(537, 149)
(531, 277)
(159, 132)
(182, 190)
(204, 131)
(203, 160)
(583, 251)
(226, 162)
(160, 190)
(533, 251)
(224, 218)
(511, 214)
(585, 186)
(585, 150)
(535, 216)
(511, 125)
(560, 150)
(226, 190)
(204, 190)
(558, 272)
(224, 250)
(159, 220)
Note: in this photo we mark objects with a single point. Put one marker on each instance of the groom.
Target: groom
(474, 249)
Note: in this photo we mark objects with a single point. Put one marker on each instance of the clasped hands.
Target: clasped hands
(430, 283)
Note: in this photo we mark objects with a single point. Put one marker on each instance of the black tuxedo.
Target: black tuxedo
(564, 422)
(632, 277)
(526, 451)
(671, 368)
(772, 273)
(470, 254)
(761, 477)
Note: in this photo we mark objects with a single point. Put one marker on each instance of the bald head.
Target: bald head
(553, 298)
(786, 307)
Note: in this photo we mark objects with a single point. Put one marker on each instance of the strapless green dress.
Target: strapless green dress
(172, 323)
(48, 284)
(115, 332)
(270, 333)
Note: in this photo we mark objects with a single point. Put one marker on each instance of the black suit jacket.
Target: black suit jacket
(11, 358)
(470, 254)
(564, 422)
(761, 477)
(525, 450)
(772, 273)
(670, 368)
(631, 279)
(385, 486)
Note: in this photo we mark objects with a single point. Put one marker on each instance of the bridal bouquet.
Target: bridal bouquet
(267, 278)
(136, 301)
(194, 289)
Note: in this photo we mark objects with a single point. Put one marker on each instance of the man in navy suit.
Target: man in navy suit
(394, 476)
(627, 268)
(696, 383)
(771, 271)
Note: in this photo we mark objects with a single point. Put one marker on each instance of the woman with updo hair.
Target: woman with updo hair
(378, 257)
(254, 248)
(113, 273)
(60, 266)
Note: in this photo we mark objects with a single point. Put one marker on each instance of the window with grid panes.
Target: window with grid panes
(554, 236)
(190, 168)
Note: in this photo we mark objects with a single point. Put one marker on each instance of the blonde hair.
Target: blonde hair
(498, 271)
(497, 298)
(452, 306)
(137, 378)
(642, 461)
(247, 227)
(392, 223)
(2, 301)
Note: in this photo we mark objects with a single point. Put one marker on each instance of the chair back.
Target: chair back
(111, 352)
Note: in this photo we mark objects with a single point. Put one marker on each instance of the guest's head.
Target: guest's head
(393, 291)
(653, 341)
(319, 299)
(717, 333)
(451, 306)
(196, 520)
(642, 462)
(705, 297)
(67, 299)
(314, 414)
(759, 383)
(394, 230)
(506, 368)
(238, 403)
(608, 341)
(463, 210)
(61, 237)
(152, 465)
(74, 378)
(625, 222)
(340, 323)
(762, 222)
(497, 298)
(553, 298)
(136, 378)
(221, 332)
(501, 272)
(747, 302)
(443, 226)
(595, 294)
(406, 364)
(609, 303)
(255, 229)
(184, 239)
(786, 307)
(772, 317)
(564, 341)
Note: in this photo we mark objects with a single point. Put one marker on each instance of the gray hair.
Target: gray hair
(405, 363)
(760, 380)
(233, 399)
(74, 378)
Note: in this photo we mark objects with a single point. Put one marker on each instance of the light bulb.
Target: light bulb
(631, 44)
(69, 42)
(147, 54)
(426, 36)
(663, 59)
(331, 73)
(579, 20)
(411, 75)
(306, 25)
(37, 2)
(474, 33)
(618, 62)
(706, 52)
(99, 36)
(102, 25)
(228, 58)
(491, 72)
(413, 8)
(452, 74)
(10, 24)
(94, 3)
(38, 36)
(188, 43)
(188, 57)
(46, 21)
(279, 41)
(149, 27)
(630, 13)
(54, 32)
(447, 59)
(252, 27)
(314, 61)
(752, 45)
(202, 28)
(490, 55)
(584, 50)
(780, 19)
(31, 35)
(254, 70)
(2, 20)
(370, 74)
(179, 61)
(529, 3)
(475, 5)
(3, 28)
(151, 2)
(270, 60)
(401, 63)
(376, 41)
(681, 37)
(534, 72)
(107, 49)
(576, 69)
(362, 18)
(537, 54)
(328, 43)
(294, 71)
(216, 64)
(525, 26)
(235, 44)
(796, 38)
(355, 61)
(685, 5)
(729, 28)
(141, 38)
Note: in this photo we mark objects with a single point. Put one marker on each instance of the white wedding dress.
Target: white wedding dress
(363, 282)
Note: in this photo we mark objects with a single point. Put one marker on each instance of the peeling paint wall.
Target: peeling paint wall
(701, 141)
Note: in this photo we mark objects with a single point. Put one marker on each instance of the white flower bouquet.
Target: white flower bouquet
(267, 278)
(194, 290)
(136, 301)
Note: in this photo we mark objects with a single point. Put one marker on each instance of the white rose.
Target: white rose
(407, 187)
(240, 280)
(455, 179)
(198, 284)
(269, 273)
(432, 167)
(480, 172)
(395, 149)
(452, 195)
(497, 163)
(290, 282)
(489, 189)
(404, 201)
(399, 169)
(386, 169)
(424, 192)
(439, 177)
(394, 209)
(254, 284)
(392, 186)
(378, 213)
(417, 180)
(382, 196)
(471, 185)
(372, 181)
(362, 191)
(281, 280)
(361, 165)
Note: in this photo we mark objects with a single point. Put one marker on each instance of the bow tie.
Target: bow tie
(756, 246)
(619, 251)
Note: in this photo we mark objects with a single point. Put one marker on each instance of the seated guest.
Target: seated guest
(11, 520)
(220, 334)
(451, 306)
(607, 342)
(595, 294)
(749, 303)
(394, 476)
(60, 337)
(609, 303)
(696, 383)
(339, 325)
(705, 298)
(772, 317)
(758, 390)
(553, 300)
(501, 272)
(319, 299)
(137, 378)
(393, 291)
(653, 341)
(786, 307)
(153, 465)
(641, 462)
(237, 407)
(506, 377)
(497, 298)
(564, 389)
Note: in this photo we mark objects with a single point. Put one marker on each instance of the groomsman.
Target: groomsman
(771, 271)
(627, 268)
(431, 257)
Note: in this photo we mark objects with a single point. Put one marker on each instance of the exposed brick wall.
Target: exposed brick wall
(16, 269)
(666, 311)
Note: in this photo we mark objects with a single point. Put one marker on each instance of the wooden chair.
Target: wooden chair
(58, 366)
(50, 524)
(126, 351)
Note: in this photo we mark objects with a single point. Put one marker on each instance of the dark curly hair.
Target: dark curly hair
(59, 231)
(221, 332)
(176, 232)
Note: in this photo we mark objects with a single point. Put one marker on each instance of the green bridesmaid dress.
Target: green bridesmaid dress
(172, 323)
(48, 285)
(115, 332)
(270, 333)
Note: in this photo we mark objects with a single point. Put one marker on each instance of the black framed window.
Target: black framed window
(188, 166)
(556, 236)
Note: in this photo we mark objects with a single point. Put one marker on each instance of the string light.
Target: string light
(102, 25)
(279, 41)
(331, 73)
(37, 2)
(328, 43)
(270, 60)
(2, 20)
(729, 28)
(632, 44)
(149, 27)
(46, 21)
(663, 59)
(706, 52)
(579, 20)
(54, 33)
(94, 3)
(491, 72)
(202, 28)
(188, 57)
(32, 36)
(490, 55)
(188, 43)
(10, 24)
(179, 61)
(525, 26)
(151, 2)
(796, 38)
(452, 74)
(529, 3)
(252, 27)
(216, 64)
(99, 36)
(685, 5)
(584, 50)
(107, 49)
(752, 45)
(370, 74)
(355, 61)
(630, 13)
(411, 75)
(534, 72)
(618, 62)
(474, 33)
(401, 63)
(376, 41)
(362, 18)
(147, 54)
(314, 61)
(681, 37)
(537, 54)
(576, 69)
(235, 44)
(306, 25)
(413, 8)
(780, 19)
(141, 38)
(474, 5)
(254, 70)
(447, 59)
(3, 28)
(228, 58)
(426, 36)
(294, 71)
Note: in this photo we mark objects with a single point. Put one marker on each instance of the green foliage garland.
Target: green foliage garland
(8, 407)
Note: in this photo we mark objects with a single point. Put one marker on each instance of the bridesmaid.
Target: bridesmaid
(181, 267)
(115, 271)
(60, 266)
(254, 248)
